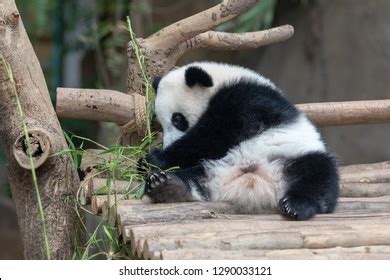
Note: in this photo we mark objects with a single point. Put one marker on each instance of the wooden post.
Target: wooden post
(57, 176)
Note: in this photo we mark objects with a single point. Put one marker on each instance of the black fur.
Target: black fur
(313, 185)
(236, 113)
(195, 75)
(156, 82)
(176, 186)
(239, 111)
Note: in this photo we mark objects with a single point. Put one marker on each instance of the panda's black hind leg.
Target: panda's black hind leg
(312, 186)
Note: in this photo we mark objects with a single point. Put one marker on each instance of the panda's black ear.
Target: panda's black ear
(156, 82)
(195, 75)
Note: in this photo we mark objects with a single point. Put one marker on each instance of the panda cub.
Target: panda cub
(234, 137)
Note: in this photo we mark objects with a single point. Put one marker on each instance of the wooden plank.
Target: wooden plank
(270, 237)
(99, 186)
(130, 214)
(364, 189)
(97, 202)
(137, 235)
(366, 173)
(91, 158)
(337, 253)
(347, 113)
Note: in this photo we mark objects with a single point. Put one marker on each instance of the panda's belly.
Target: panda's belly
(251, 175)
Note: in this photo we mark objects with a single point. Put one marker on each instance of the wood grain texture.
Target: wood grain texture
(356, 222)
(337, 253)
(95, 105)
(112, 106)
(348, 113)
(57, 176)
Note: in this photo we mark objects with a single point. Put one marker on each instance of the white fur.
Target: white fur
(262, 189)
(175, 96)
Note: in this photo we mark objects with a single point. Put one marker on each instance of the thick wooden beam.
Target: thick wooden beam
(113, 106)
(95, 105)
(348, 113)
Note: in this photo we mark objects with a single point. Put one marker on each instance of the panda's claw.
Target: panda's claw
(299, 208)
(155, 180)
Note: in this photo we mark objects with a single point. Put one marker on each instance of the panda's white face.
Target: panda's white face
(181, 99)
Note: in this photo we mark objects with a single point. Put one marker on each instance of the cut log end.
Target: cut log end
(40, 149)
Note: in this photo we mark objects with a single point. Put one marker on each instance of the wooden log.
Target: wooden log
(245, 225)
(215, 40)
(156, 213)
(130, 215)
(364, 189)
(95, 105)
(110, 214)
(348, 113)
(136, 235)
(21, 76)
(97, 202)
(351, 169)
(366, 173)
(337, 253)
(98, 186)
(381, 203)
(271, 237)
(119, 108)
(92, 158)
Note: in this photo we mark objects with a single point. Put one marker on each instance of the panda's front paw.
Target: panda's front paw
(156, 159)
(164, 187)
(154, 181)
(298, 207)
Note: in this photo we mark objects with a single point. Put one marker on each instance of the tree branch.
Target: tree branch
(234, 41)
(187, 28)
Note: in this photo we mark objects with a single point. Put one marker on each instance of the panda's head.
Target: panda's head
(182, 95)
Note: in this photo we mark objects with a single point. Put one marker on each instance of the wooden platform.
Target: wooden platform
(359, 228)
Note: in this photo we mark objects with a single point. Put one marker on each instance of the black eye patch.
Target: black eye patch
(179, 121)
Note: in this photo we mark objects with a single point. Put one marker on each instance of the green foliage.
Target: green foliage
(116, 163)
(37, 15)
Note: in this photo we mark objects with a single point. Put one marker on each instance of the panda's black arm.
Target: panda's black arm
(236, 113)
(201, 143)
